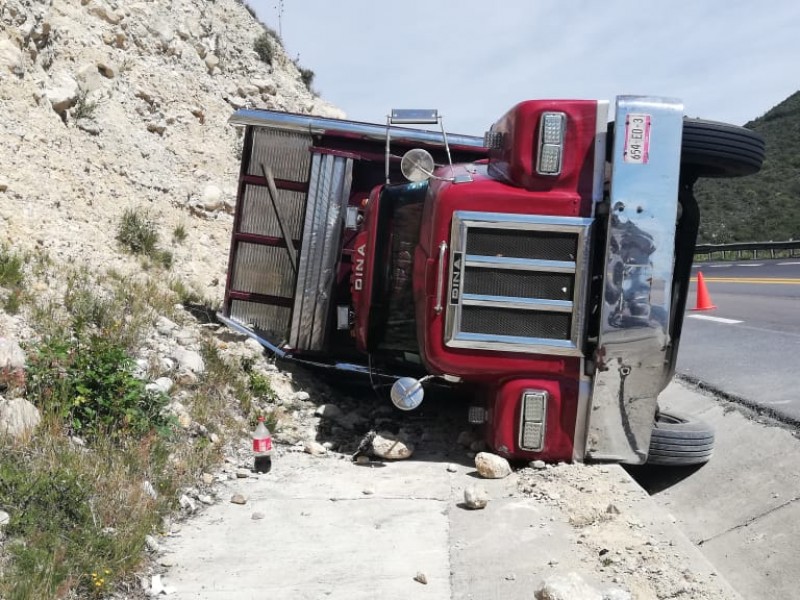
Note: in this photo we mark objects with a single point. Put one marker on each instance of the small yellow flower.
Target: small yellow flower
(107, 572)
(94, 574)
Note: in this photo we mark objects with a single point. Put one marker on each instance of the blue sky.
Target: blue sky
(727, 60)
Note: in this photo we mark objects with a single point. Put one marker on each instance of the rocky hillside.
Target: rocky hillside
(765, 206)
(110, 105)
(118, 173)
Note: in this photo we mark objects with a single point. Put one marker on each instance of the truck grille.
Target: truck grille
(516, 282)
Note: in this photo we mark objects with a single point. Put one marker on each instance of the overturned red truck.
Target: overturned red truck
(543, 268)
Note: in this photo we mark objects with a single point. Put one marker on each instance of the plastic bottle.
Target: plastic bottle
(262, 448)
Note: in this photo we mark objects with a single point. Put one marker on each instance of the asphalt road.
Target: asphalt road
(749, 346)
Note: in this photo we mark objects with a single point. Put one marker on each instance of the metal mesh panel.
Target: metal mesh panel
(516, 323)
(271, 320)
(520, 284)
(286, 153)
(263, 270)
(258, 214)
(540, 245)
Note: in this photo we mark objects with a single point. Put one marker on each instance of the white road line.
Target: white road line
(715, 319)
(718, 266)
(750, 265)
(784, 264)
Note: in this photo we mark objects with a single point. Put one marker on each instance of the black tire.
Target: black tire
(712, 149)
(680, 440)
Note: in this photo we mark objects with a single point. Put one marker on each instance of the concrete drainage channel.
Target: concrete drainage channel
(741, 509)
(326, 527)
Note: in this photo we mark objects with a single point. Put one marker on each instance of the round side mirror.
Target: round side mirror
(417, 165)
(407, 393)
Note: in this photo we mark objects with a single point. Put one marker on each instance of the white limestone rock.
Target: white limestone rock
(491, 466)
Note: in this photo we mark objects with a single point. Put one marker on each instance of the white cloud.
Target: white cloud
(473, 60)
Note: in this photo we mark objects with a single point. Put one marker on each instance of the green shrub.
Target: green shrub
(306, 76)
(263, 46)
(91, 386)
(78, 517)
(137, 233)
(83, 109)
(11, 273)
(260, 386)
(179, 234)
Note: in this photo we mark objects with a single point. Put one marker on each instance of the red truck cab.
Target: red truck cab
(543, 268)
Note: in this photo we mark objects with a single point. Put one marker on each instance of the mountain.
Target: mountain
(765, 206)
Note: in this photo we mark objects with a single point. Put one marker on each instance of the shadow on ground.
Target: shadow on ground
(655, 478)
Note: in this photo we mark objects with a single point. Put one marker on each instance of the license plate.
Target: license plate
(637, 139)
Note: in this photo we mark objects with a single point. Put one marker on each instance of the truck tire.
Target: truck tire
(680, 440)
(712, 149)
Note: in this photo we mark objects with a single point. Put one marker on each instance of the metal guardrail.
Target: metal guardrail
(708, 251)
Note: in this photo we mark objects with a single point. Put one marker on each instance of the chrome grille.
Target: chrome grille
(526, 284)
(517, 282)
(515, 322)
(544, 245)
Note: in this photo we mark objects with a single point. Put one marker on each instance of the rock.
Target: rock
(314, 449)
(420, 577)
(478, 446)
(187, 503)
(328, 411)
(212, 61)
(62, 93)
(616, 594)
(149, 489)
(10, 57)
(184, 420)
(362, 460)
(151, 544)
(11, 355)
(491, 466)
(257, 516)
(537, 464)
(106, 14)
(3, 184)
(301, 396)
(476, 497)
(465, 438)
(238, 499)
(368, 491)
(18, 417)
(165, 326)
(90, 126)
(161, 385)
(566, 587)
(451, 468)
(208, 478)
(242, 473)
(387, 446)
(211, 199)
(107, 70)
(4, 518)
(189, 359)
(205, 499)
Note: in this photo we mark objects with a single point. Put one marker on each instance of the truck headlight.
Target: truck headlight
(533, 415)
(551, 143)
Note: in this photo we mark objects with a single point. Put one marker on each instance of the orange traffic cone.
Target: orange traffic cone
(703, 297)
